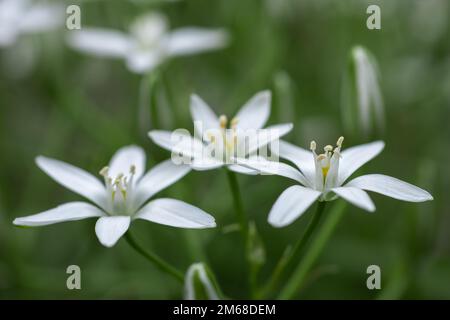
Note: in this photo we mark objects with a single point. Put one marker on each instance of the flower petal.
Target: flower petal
(71, 211)
(291, 204)
(74, 179)
(242, 169)
(126, 157)
(353, 158)
(110, 229)
(206, 163)
(193, 40)
(100, 42)
(158, 178)
(203, 116)
(355, 196)
(177, 143)
(42, 17)
(264, 166)
(390, 187)
(255, 113)
(175, 213)
(264, 137)
(139, 61)
(302, 158)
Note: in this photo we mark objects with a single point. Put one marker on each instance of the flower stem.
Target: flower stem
(296, 280)
(289, 254)
(153, 258)
(243, 223)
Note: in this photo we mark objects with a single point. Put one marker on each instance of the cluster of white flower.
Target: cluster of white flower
(218, 142)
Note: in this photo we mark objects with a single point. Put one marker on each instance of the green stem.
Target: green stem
(317, 245)
(147, 111)
(243, 223)
(153, 258)
(292, 255)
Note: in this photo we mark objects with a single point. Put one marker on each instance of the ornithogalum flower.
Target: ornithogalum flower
(25, 17)
(322, 178)
(217, 141)
(148, 43)
(121, 198)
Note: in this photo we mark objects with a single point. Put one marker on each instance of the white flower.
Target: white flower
(322, 178)
(218, 141)
(23, 17)
(199, 285)
(121, 198)
(148, 43)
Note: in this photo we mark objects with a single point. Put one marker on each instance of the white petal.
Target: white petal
(126, 157)
(193, 40)
(391, 187)
(242, 169)
(353, 158)
(355, 196)
(71, 211)
(291, 204)
(74, 179)
(177, 143)
(264, 137)
(255, 113)
(42, 17)
(143, 61)
(206, 163)
(158, 178)
(302, 158)
(264, 166)
(110, 229)
(175, 213)
(100, 42)
(203, 116)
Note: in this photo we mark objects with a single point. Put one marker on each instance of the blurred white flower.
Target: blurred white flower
(26, 17)
(199, 285)
(148, 43)
(218, 141)
(323, 176)
(120, 200)
(363, 107)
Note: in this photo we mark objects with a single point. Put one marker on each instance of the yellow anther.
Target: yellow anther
(328, 148)
(339, 142)
(234, 123)
(104, 171)
(321, 157)
(223, 121)
(313, 146)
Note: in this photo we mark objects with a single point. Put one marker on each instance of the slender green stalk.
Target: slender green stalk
(239, 207)
(147, 111)
(291, 255)
(326, 229)
(243, 223)
(153, 258)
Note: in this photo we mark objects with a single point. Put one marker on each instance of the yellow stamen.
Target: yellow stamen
(223, 121)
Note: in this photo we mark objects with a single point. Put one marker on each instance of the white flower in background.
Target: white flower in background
(27, 17)
(322, 178)
(148, 43)
(363, 108)
(121, 198)
(218, 141)
(199, 285)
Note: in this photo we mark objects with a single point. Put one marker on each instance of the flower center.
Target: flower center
(228, 135)
(119, 188)
(327, 164)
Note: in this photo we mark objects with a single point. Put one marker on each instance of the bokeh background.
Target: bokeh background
(80, 109)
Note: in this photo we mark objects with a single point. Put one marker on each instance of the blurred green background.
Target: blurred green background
(80, 109)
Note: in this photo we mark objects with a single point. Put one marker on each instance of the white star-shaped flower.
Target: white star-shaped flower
(322, 178)
(121, 198)
(25, 17)
(148, 43)
(218, 141)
